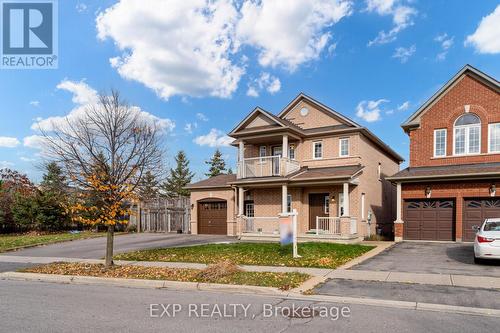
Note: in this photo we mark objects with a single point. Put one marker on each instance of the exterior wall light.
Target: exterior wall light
(493, 190)
(428, 192)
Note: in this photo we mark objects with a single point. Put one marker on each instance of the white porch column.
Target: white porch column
(284, 149)
(241, 194)
(241, 151)
(346, 199)
(284, 195)
(399, 217)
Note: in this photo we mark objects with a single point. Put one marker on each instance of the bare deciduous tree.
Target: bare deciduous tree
(106, 151)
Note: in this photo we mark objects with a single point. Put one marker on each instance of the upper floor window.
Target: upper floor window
(467, 135)
(440, 142)
(344, 147)
(291, 152)
(317, 149)
(262, 151)
(494, 138)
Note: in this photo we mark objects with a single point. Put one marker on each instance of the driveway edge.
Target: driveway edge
(243, 289)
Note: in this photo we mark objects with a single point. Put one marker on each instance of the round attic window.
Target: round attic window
(304, 112)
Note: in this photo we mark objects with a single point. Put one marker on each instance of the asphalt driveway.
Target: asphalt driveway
(433, 258)
(94, 248)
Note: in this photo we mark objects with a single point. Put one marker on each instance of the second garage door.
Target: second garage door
(212, 217)
(429, 220)
(476, 210)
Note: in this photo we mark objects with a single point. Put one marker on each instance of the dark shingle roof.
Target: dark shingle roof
(217, 181)
(330, 172)
(448, 171)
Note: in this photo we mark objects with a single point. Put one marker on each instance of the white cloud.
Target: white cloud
(195, 47)
(289, 33)
(189, 127)
(403, 54)
(446, 42)
(27, 159)
(405, 106)
(35, 103)
(176, 47)
(486, 38)
(81, 7)
(8, 142)
(83, 96)
(201, 116)
(370, 110)
(215, 138)
(265, 81)
(402, 17)
(6, 164)
(34, 142)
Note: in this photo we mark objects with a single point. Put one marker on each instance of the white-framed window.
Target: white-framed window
(467, 135)
(291, 152)
(344, 147)
(317, 150)
(494, 138)
(262, 151)
(341, 204)
(379, 171)
(326, 204)
(440, 142)
(289, 203)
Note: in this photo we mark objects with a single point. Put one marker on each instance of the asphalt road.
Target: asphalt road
(48, 307)
(421, 293)
(94, 248)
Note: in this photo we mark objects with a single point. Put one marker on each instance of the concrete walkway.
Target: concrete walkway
(419, 278)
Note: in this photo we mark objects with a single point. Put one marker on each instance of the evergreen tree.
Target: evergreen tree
(217, 164)
(230, 171)
(54, 180)
(148, 187)
(179, 177)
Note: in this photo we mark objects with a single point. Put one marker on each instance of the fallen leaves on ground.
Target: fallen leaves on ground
(282, 281)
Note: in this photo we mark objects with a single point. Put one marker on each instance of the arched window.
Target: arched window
(467, 135)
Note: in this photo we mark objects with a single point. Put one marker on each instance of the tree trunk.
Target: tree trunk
(109, 246)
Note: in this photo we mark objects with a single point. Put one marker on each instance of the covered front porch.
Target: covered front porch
(324, 210)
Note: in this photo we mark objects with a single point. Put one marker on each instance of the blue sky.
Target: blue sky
(200, 69)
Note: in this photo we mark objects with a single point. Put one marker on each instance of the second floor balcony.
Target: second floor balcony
(267, 166)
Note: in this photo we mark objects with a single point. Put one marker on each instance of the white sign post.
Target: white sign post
(294, 229)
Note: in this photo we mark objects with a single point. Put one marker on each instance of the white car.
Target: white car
(487, 243)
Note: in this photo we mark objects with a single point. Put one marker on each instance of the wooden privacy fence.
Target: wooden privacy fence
(162, 215)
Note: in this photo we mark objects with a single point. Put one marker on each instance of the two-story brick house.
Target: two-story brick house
(454, 168)
(309, 158)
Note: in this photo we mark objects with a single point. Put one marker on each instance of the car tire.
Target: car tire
(477, 260)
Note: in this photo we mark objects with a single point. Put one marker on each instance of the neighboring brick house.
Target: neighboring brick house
(309, 158)
(450, 184)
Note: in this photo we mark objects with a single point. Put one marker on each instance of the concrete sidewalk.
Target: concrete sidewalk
(418, 278)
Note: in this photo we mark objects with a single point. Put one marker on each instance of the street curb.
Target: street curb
(241, 289)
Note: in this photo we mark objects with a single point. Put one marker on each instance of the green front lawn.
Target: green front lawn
(322, 255)
(11, 242)
(283, 281)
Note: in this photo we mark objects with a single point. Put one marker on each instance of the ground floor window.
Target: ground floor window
(289, 203)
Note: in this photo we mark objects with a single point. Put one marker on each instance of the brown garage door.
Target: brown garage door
(212, 217)
(475, 211)
(429, 220)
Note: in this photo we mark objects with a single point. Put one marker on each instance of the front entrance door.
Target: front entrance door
(318, 206)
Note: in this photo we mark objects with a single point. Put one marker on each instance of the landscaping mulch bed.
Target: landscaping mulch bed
(320, 255)
(283, 281)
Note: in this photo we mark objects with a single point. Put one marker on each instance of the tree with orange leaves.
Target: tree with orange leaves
(105, 151)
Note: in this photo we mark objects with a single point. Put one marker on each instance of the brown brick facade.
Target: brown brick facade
(483, 101)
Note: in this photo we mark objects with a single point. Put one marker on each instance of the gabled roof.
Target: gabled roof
(252, 115)
(327, 110)
(442, 172)
(414, 119)
(219, 181)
